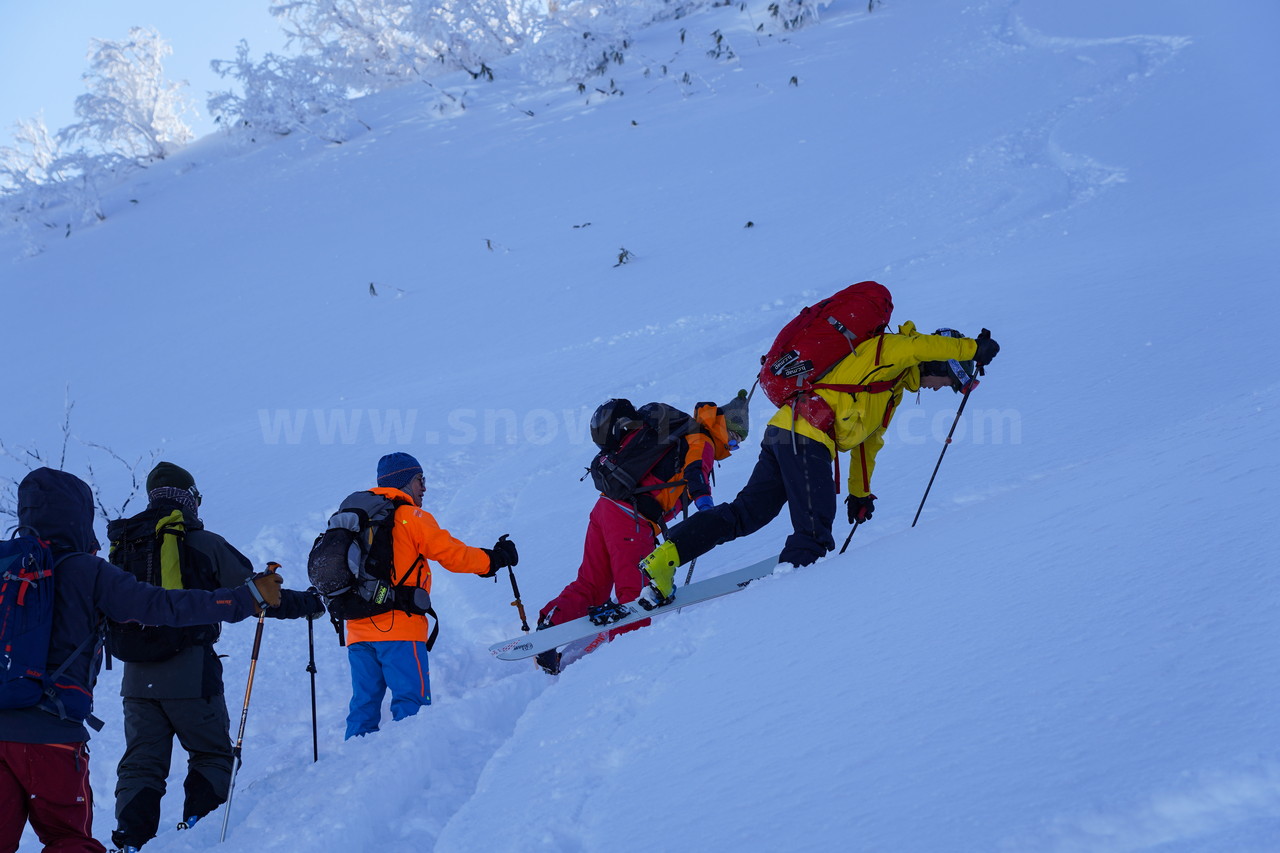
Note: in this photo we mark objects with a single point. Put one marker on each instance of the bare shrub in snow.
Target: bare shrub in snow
(127, 482)
(794, 14)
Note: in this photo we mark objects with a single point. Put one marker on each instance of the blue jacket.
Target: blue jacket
(59, 507)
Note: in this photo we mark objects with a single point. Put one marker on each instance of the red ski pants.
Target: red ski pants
(47, 784)
(616, 543)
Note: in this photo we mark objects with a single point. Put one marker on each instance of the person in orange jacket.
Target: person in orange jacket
(390, 650)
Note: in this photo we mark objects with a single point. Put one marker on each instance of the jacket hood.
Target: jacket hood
(712, 421)
(389, 492)
(58, 507)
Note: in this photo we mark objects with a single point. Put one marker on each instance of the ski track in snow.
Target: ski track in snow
(1024, 177)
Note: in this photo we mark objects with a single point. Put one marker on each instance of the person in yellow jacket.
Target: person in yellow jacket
(390, 650)
(863, 391)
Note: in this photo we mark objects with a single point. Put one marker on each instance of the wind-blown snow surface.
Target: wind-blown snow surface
(1075, 649)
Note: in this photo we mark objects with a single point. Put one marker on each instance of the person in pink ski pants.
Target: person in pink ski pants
(619, 535)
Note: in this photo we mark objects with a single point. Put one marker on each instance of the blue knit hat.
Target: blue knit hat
(395, 470)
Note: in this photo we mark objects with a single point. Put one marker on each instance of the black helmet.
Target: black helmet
(606, 423)
(961, 373)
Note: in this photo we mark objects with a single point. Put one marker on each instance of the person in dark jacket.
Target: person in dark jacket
(44, 767)
(182, 696)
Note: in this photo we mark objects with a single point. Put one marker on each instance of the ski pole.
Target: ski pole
(849, 538)
(968, 389)
(518, 604)
(244, 713)
(311, 668)
(689, 575)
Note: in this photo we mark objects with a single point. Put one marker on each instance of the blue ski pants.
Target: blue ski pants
(400, 665)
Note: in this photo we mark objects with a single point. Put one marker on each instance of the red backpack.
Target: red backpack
(815, 341)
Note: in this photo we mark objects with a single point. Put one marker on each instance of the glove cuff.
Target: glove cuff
(257, 595)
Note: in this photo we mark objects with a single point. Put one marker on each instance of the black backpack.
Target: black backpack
(350, 563)
(147, 546)
(654, 433)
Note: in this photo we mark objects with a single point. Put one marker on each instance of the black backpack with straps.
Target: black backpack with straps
(152, 547)
(650, 437)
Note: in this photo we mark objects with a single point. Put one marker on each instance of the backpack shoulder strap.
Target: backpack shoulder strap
(94, 638)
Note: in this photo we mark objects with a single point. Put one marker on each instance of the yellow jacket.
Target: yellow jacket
(861, 419)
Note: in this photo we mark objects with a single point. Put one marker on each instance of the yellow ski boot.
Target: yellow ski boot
(659, 569)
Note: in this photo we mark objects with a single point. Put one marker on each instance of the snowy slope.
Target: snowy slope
(1075, 649)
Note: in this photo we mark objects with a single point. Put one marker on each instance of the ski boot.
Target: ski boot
(548, 661)
(189, 822)
(659, 569)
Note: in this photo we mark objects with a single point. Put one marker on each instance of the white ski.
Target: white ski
(528, 645)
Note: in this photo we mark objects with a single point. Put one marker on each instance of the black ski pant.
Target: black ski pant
(792, 470)
(150, 725)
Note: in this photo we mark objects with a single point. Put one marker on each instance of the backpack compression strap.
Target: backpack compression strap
(869, 388)
(171, 530)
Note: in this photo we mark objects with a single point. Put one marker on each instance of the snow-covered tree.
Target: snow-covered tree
(364, 45)
(130, 109)
(280, 95)
(27, 162)
(371, 45)
(44, 185)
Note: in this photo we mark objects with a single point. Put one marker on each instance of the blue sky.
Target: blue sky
(43, 49)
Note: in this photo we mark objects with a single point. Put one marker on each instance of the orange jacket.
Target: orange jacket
(416, 539)
(702, 451)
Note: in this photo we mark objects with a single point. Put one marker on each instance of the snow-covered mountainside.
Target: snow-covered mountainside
(1074, 650)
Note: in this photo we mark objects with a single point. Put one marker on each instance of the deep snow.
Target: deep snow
(1075, 649)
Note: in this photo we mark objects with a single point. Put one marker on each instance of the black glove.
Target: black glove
(295, 604)
(315, 607)
(502, 554)
(860, 509)
(987, 349)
